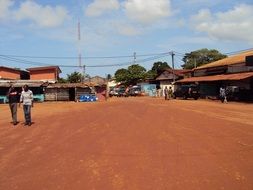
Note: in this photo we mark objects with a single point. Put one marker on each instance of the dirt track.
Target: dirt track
(129, 143)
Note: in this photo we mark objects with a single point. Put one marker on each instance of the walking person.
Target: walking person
(27, 99)
(13, 97)
(223, 94)
(170, 92)
(166, 93)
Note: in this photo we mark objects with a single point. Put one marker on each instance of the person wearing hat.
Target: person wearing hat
(13, 97)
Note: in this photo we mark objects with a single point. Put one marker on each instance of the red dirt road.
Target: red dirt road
(129, 143)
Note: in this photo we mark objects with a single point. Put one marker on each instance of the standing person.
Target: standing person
(27, 99)
(223, 94)
(170, 92)
(166, 93)
(13, 102)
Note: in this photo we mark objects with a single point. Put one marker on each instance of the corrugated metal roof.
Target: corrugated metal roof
(44, 68)
(71, 85)
(12, 69)
(235, 76)
(21, 84)
(167, 74)
(236, 59)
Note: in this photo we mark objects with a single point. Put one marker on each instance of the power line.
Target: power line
(85, 57)
(7, 58)
(236, 52)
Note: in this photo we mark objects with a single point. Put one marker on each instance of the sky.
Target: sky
(44, 32)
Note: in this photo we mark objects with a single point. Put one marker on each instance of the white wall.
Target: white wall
(163, 84)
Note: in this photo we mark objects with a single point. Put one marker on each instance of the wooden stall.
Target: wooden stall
(67, 91)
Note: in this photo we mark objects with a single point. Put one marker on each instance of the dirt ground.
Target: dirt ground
(129, 143)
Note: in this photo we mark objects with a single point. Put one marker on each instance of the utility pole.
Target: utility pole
(82, 68)
(173, 67)
(194, 60)
(134, 57)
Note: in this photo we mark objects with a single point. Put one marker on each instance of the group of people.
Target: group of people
(168, 93)
(15, 100)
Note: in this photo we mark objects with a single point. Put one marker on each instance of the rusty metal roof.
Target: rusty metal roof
(12, 69)
(167, 74)
(44, 68)
(224, 77)
(71, 85)
(235, 59)
(21, 83)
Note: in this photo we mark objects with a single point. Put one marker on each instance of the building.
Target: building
(73, 91)
(234, 72)
(7, 73)
(97, 80)
(36, 86)
(168, 76)
(50, 73)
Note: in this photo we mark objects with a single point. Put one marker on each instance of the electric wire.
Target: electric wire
(8, 58)
(85, 57)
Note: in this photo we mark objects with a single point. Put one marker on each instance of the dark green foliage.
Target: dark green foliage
(62, 80)
(131, 75)
(201, 57)
(74, 77)
(159, 66)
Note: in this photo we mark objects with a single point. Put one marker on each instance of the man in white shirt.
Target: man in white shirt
(27, 99)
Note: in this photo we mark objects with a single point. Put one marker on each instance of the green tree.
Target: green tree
(131, 75)
(136, 73)
(159, 66)
(121, 75)
(201, 57)
(62, 80)
(75, 77)
(151, 74)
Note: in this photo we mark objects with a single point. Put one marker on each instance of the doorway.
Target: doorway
(72, 94)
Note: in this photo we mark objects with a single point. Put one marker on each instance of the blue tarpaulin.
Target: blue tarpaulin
(88, 98)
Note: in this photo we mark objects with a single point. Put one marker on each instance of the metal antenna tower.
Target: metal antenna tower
(134, 57)
(81, 67)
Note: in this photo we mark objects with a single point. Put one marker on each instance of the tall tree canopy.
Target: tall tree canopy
(121, 75)
(156, 69)
(74, 77)
(201, 57)
(136, 73)
(131, 75)
(159, 66)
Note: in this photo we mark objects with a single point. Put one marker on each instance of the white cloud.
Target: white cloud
(127, 29)
(43, 16)
(4, 8)
(147, 12)
(99, 7)
(235, 24)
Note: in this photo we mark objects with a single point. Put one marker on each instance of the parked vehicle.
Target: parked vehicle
(122, 92)
(232, 92)
(113, 92)
(135, 91)
(187, 91)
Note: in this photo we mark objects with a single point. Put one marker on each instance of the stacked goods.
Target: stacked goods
(88, 98)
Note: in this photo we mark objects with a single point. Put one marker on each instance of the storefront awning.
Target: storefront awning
(224, 77)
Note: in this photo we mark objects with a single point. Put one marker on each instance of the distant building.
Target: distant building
(234, 72)
(50, 73)
(97, 80)
(7, 73)
(167, 77)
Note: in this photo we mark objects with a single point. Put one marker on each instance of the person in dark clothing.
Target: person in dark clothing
(170, 93)
(13, 97)
(166, 93)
